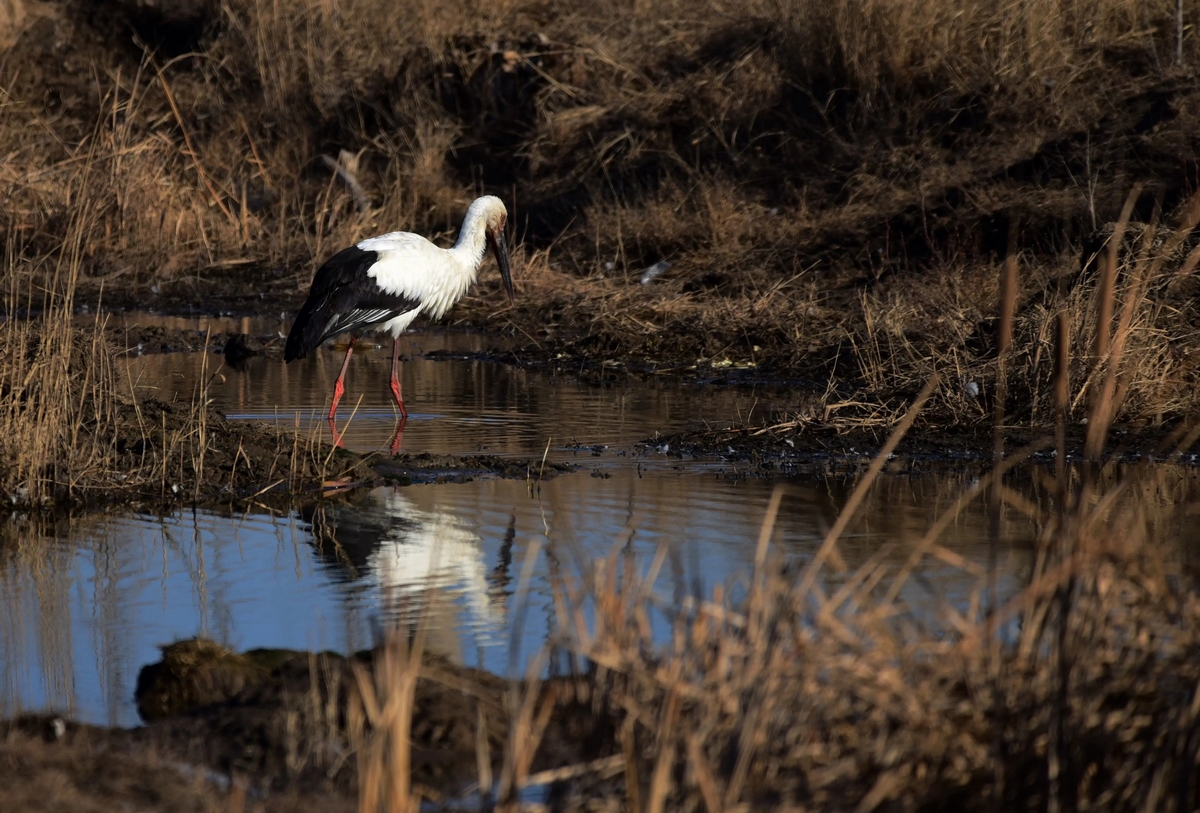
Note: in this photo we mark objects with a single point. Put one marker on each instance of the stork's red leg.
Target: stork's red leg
(399, 436)
(339, 386)
(395, 383)
(337, 436)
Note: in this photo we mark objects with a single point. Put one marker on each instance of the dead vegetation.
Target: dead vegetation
(835, 186)
(76, 429)
(802, 685)
(805, 685)
(832, 186)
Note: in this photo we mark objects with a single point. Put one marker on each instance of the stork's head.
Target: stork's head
(495, 218)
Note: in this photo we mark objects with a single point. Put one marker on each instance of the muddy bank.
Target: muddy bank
(789, 449)
(149, 339)
(424, 467)
(48, 764)
(814, 206)
(277, 722)
(162, 454)
(829, 433)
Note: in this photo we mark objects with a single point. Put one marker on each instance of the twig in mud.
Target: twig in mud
(337, 437)
(605, 766)
(265, 489)
(545, 454)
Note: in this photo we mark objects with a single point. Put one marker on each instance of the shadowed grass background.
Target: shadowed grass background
(833, 184)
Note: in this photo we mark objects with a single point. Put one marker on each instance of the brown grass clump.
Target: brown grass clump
(819, 688)
(58, 385)
(75, 429)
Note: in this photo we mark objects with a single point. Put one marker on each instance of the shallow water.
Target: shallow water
(86, 604)
(457, 404)
(85, 608)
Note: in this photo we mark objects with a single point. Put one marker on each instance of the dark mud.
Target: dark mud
(785, 449)
(90, 770)
(51, 764)
(790, 450)
(275, 722)
(149, 339)
(440, 468)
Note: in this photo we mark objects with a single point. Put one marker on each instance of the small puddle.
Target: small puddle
(86, 604)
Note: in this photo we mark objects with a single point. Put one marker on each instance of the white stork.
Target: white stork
(384, 282)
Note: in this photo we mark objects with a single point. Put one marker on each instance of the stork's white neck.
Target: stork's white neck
(472, 239)
(412, 267)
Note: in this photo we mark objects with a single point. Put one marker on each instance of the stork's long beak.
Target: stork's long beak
(501, 251)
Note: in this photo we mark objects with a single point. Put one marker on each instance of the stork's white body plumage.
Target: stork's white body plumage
(384, 283)
(411, 267)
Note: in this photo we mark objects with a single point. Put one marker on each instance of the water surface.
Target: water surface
(86, 603)
(457, 403)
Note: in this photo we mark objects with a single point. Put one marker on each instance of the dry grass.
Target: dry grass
(808, 687)
(75, 428)
(59, 379)
(832, 185)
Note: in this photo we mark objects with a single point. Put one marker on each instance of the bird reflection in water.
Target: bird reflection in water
(427, 565)
(395, 445)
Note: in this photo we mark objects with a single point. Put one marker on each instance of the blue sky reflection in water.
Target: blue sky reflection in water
(82, 620)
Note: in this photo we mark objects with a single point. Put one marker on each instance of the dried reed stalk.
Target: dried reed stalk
(860, 490)
(386, 697)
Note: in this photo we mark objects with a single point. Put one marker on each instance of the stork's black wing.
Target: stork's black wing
(342, 298)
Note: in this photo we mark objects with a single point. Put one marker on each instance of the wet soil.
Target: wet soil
(767, 450)
(792, 450)
(147, 339)
(275, 722)
(139, 338)
(440, 468)
(95, 770)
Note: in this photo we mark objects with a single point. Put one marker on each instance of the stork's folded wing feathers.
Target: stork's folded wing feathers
(342, 298)
(354, 320)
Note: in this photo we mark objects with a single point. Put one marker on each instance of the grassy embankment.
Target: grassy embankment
(823, 689)
(835, 185)
(75, 429)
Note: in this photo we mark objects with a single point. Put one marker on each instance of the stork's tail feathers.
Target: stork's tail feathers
(307, 331)
(334, 291)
